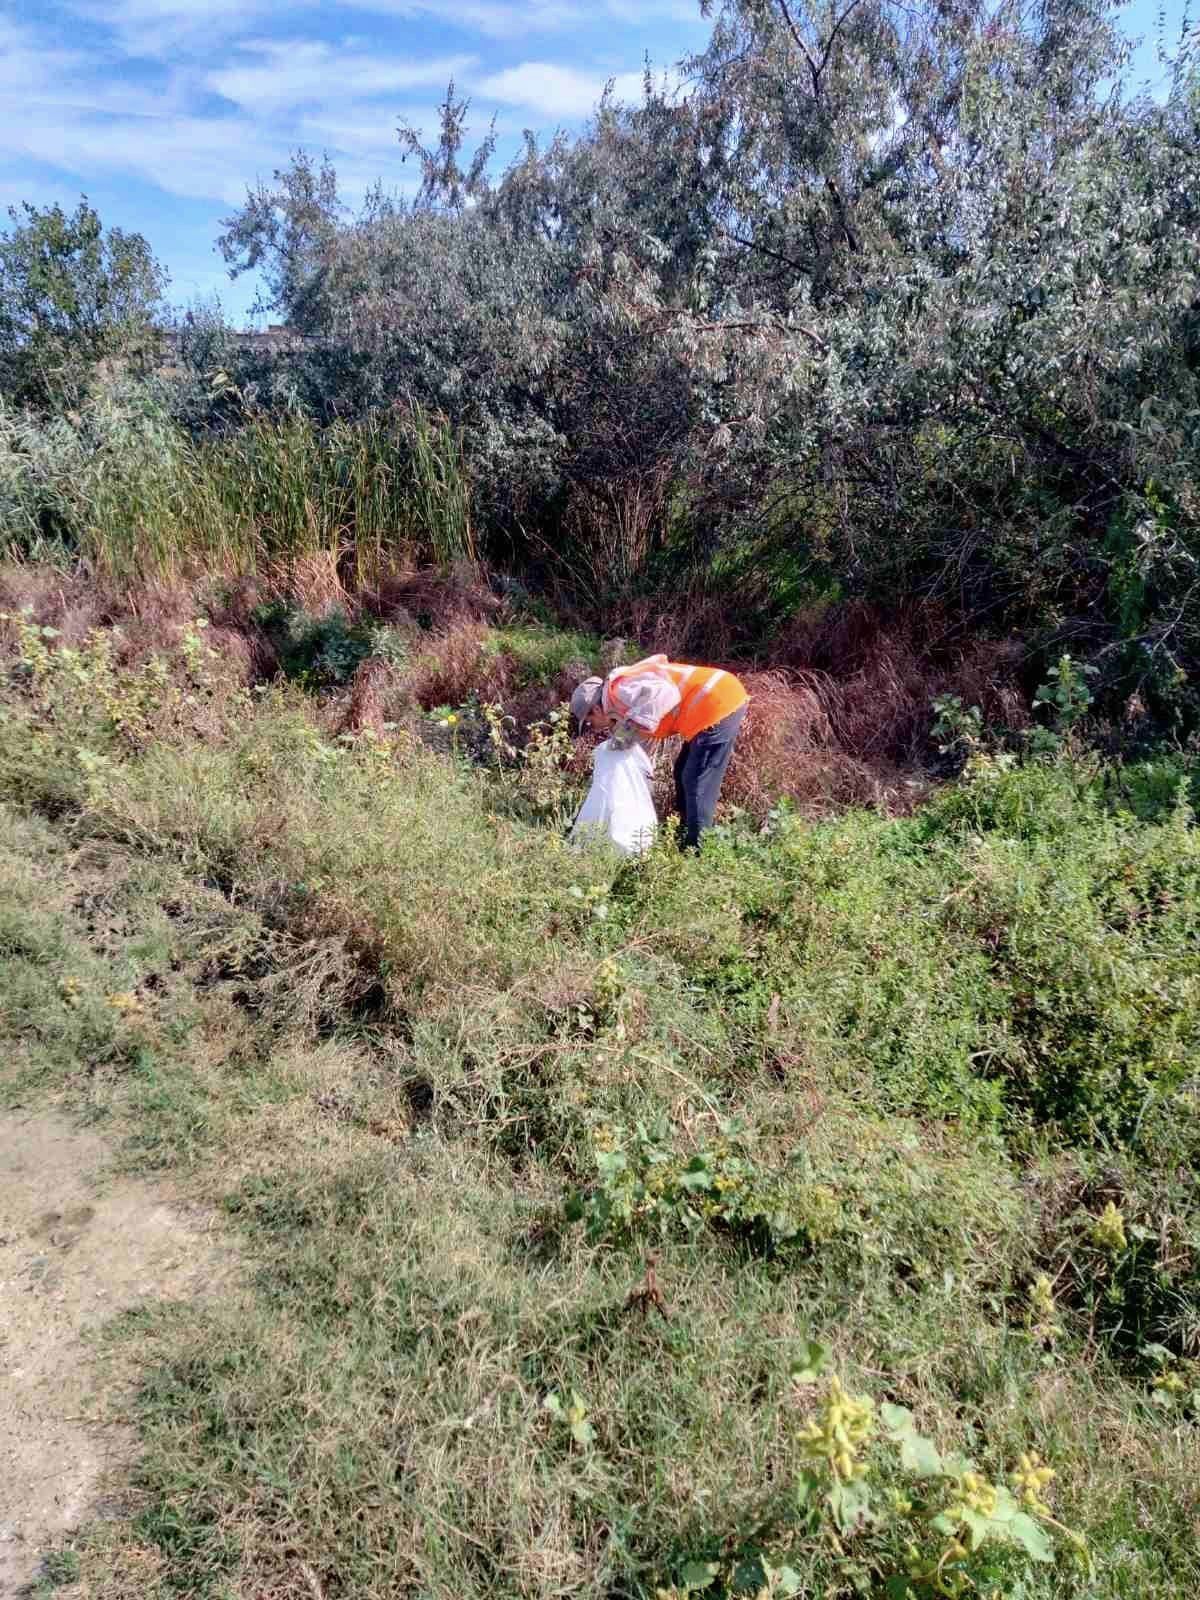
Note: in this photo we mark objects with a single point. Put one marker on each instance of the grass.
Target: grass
(548, 1195)
(125, 489)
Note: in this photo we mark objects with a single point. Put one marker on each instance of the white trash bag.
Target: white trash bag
(619, 806)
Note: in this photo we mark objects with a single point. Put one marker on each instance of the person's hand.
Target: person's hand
(624, 734)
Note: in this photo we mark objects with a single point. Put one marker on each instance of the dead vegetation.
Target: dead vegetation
(840, 706)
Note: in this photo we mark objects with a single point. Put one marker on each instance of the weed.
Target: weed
(59, 1569)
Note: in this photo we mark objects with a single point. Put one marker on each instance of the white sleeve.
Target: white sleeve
(645, 698)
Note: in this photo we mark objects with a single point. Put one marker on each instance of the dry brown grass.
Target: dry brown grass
(147, 619)
(691, 627)
(433, 598)
(365, 711)
(841, 707)
(456, 664)
(877, 675)
(840, 714)
(789, 745)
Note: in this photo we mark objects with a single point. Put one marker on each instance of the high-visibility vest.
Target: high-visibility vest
(706, 695)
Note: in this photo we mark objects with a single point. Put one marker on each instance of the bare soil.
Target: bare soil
(76, 1248)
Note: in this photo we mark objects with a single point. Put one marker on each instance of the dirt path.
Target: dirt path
(74, 1250)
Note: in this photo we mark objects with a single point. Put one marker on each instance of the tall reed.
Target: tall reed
(125, 489)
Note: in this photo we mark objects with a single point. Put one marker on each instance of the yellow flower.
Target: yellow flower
(1108, 1230)
(126, 1003)
(847, 1424)
(1040, 1312)
(1031, 1478)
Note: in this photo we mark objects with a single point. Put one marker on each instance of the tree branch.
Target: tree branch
(764, 249)
(814, 70)
(851, 237)
(749, 325)
(837, 28)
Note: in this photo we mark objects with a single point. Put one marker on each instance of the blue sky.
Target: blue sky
(163, 111)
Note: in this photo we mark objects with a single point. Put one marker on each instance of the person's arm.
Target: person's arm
(641, 700)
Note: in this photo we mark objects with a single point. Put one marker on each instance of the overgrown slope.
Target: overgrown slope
(570, 1187)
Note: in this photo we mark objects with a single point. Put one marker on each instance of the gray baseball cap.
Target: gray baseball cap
(586, 696)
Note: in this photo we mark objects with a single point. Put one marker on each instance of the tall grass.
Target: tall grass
(123, 487)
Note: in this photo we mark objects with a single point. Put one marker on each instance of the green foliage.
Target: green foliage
(59, 1568)
(941, 1526)
(325, 651)
(84, 694)
(1066, 697)
(644, 1186)
(541, 654)
(956, 727)
(820, 327)
(72, 295)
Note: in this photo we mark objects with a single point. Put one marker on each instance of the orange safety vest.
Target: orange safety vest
(706, 696)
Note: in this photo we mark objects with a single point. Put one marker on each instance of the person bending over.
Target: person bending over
(658, 699)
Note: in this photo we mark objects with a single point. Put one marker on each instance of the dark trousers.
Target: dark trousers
(699, 770)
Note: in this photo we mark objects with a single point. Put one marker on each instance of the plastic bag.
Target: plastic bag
(619, 806)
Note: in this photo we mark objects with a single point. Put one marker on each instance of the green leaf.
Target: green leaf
(895, 1418)
(977, 1528)
(583, 1433)
(918, 1454)
(811, 1361)
(807, 1484)
(698, 1575)
(1007, 1506)
(850, 1504)
(1031, 1536)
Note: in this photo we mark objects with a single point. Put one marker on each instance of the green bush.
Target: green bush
(325, 651)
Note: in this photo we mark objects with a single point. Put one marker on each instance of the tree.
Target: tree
(72, 295)
(901, 296)
(287, 231)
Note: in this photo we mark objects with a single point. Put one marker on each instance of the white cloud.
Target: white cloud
(555, 90)
(194, 157)
(141, 100)
(287, 74)
(497, 19)
(26, 61)
(167, 29)
(515, 19)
